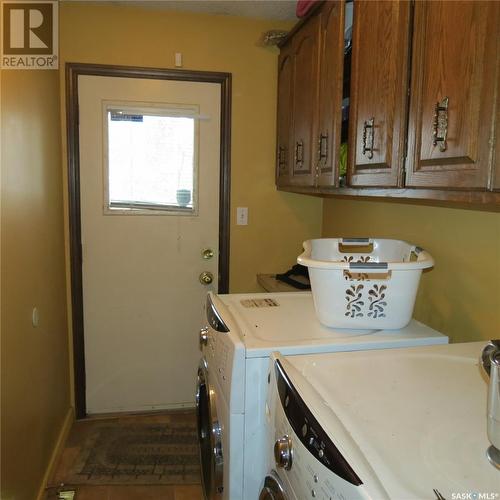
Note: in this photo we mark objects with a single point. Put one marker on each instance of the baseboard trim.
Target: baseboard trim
(56, 452)
(107, 412)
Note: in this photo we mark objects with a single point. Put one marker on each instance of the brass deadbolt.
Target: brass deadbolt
(207, 254)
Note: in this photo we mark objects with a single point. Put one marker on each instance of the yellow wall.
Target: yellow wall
(131, 35)
(461, 295)
(35, 380)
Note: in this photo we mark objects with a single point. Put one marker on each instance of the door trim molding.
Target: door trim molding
(73, 71)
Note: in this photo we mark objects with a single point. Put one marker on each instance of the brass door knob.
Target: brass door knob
(206, 278)
(207, 253)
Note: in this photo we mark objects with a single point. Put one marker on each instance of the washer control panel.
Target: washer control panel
(214, 317)
(317, 468)
(218, 352)
(223, 352)
(308, 430)
(215, 344)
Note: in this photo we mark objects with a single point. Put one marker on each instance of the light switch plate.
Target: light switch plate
(242, 216)
(67, 495)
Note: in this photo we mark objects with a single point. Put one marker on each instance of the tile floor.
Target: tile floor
(77, 436)
(132, 493)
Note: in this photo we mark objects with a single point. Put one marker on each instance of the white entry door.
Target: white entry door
(149, 194)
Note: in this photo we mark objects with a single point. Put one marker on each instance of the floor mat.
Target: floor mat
(138, 453)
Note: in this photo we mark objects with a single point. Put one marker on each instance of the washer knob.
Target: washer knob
(203, 336)
(283, 452)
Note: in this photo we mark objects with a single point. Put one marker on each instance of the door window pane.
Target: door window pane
(151, 160)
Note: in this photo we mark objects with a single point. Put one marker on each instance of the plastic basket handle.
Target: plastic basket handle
(368, 270)
(373, 267)
(420, 253)
(356, 241)
(355, 245)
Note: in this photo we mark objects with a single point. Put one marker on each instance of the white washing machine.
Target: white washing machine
(405, 424)
(242, 331)
(220, 402)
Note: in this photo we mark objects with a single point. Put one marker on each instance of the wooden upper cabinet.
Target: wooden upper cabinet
(379, 93)
(495, 178)
(327, 140)
(284, 156)
(452, 104)
(305, 46)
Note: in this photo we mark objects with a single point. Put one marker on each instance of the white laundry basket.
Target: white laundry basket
(364, 282)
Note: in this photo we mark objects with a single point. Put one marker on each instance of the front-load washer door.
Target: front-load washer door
(272, 489)
(209, 436)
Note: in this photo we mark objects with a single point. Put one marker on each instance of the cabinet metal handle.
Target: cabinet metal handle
(299, 153)
(281, 158)
(323, 147)
(440, 125)
(368, 133)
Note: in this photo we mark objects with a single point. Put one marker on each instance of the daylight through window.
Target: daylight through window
(151, 160)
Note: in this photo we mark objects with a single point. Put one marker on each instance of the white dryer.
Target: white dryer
(242, 331)
(377, 425)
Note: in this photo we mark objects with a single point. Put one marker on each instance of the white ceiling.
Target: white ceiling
(267, 9)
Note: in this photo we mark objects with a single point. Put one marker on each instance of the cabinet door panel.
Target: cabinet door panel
(305, 95)
(454, 54)
(379, 92)
(327, 141)
(285, 96)
(495, 184)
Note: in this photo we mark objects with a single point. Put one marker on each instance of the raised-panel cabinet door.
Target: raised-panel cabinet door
(284, 155)
(330, 93)
(305, 98)
(452, 94)
(379, 93)
(495, 178)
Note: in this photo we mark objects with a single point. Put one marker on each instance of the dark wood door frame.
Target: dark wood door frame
(73, 71)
